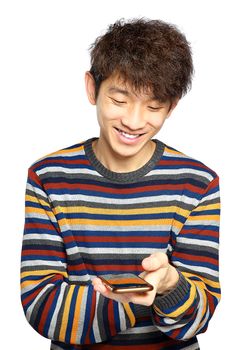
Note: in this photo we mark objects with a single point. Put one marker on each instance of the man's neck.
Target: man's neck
(120, 164)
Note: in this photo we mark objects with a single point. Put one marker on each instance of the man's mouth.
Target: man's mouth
(127, 135)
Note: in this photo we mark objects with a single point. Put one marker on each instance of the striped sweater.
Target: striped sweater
(83, 220)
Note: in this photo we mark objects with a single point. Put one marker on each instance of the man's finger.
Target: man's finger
(155, 261)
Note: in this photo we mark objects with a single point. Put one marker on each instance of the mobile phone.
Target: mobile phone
(126, 283)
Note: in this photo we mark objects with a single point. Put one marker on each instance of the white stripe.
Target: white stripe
(36, 190)
(50, 217)
(66, 170)
(42, 236)
(199, 242)
(83, 279)
(114, 251)
(173, 324)
(122, 319)
(82, 315)
(205, 320)
(31, 307)
(210, 197)
(206, 222)
(68, 154)
(181, 171)
(95, 325)
(138, 330)
(101, 228)
(53, 322)
(192, 330)
(198, 269)
(43, 263)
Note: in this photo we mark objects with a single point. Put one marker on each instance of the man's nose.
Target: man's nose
(134, 118)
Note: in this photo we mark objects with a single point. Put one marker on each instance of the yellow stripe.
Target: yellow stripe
(31, 210)
(129, 314)
(208, 207)
(60, 152)
(76, 319)
(34, 282)
(65, 317)
(182, 308)
(83, 209)
(43, 273)
(115, 222)
(204, 217)
(204, 280)
(33, 199)
(173, 152)
(119, 222)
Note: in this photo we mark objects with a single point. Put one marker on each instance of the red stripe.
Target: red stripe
(61, 161)
(190, 257)
(112, 327)
(204, 232)
(116, 239)
(31, 297)
(43, 253)
(124, 268)
(45, 311)
(183, 162)
(39, 226)
(145, 188)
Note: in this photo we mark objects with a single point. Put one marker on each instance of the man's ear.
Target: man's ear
(90, 87)
(172, 107)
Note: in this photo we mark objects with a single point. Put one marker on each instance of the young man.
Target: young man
(124, 202)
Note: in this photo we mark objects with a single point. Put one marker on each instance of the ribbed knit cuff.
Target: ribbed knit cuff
(142, 311)
(175, 296)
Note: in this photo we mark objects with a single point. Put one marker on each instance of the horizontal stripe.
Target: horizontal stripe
(81, 224)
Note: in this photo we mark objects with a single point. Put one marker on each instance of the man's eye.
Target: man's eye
(117, 101)
(154, 108)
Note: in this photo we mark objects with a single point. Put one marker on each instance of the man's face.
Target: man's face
(127, 121)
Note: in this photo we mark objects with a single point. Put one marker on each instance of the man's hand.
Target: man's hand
(157, 271)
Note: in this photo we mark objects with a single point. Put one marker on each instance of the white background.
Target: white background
(44, 54)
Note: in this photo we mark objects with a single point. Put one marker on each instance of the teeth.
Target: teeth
(129, 136)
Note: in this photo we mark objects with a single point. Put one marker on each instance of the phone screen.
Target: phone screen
(123, 283)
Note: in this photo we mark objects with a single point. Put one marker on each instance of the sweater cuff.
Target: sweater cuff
(173, 298)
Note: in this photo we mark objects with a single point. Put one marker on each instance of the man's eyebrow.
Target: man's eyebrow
(114, 89)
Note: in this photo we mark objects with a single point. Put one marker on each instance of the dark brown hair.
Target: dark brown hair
(151, 55)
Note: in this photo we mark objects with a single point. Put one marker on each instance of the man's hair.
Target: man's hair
(152, 56)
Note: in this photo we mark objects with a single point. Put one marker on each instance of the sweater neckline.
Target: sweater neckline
(124, 177)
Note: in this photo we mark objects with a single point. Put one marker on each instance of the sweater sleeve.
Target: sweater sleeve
(56, 308)
(186, 310)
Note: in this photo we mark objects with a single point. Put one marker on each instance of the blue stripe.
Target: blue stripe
(197, 263)
(206, 212)
(37, 205)
(123, 217)
(111, 233)
(40, 231)
(71, 315)
(145, 194)
(43, 257)
(87, 314)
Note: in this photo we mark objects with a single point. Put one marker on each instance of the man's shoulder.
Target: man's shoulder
(61, 156)
(183, 163)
